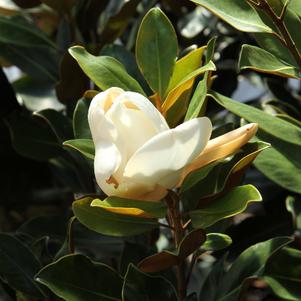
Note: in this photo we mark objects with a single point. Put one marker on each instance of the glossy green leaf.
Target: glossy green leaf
(292, 22)
(252, 57)
(234, 202)
(18, 31)
(198, 103)
(104, 71)
(80, 119)
(60, 124)
(77, 278)
(33, 139)
(237, 13)
(212, 179)
(216, 241)
(185, 84)
(166, 259)
(155, 57)
(250, 263)
(154, 209)
(287, 171)
(197, 100)
(127, 58)
(275, 126)
(84, 146)
(140, 286)
(18, 265)
(41, 63)
(184, 66)
(109, 223)
(283, 274)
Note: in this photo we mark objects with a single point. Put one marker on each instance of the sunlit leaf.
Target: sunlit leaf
(104, 71)
(109, 223)
(252, 57)
(237, 13)
(232, 203)
(155, 57)
(132, 207)
(84, 146)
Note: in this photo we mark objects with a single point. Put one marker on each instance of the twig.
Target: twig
(285, 38)
(175, 219)
(284, 9)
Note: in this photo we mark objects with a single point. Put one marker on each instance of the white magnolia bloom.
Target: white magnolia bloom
(138, 156)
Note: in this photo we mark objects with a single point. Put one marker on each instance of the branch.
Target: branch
(285, 38)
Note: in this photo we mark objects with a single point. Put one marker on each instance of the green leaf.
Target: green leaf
(250, 263)
(185, 84)
(294, 207)
(127, 58)
(140, 286)
(275, 126)
(33, 139)
(154, 209)
(197, 100)
(216, 241)
(80, 119)
(212, 179)
(287, 170)
(84, 146)
(18, 31)
(292, 22)
(108, 223)
(77, 278)
(184, 66)
(234, 202)
(198, 103)
(252, 57)
(166, 259)
(41, 63)
(106, 72)
(237, 13)
(60, 124)
(283, 274)
(18, 265)
(156, 50)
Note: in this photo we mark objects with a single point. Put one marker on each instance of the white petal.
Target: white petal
(145, 105)
(132, 190)
(160, 160)
(99, 105)
(109, 152)
(132, 125)
(107, 160)
(221, 147)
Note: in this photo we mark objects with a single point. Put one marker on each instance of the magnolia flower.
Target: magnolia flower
(138, 156)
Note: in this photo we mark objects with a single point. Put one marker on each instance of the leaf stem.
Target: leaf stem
(175, 220)
(285, 38)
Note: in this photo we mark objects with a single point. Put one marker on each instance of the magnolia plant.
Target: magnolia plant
(138, 156)
(154, 178)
